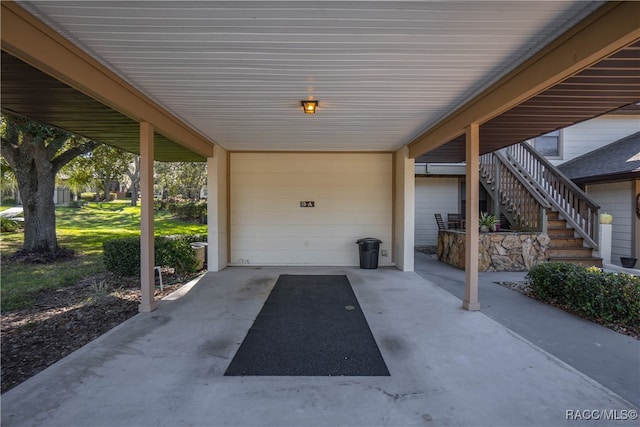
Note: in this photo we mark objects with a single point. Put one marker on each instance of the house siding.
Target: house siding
(440, 195)
(353, 197)
(433, 195)
(616, 199)
(587, 136)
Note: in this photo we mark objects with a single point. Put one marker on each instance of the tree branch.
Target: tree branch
(9, 151)
(56, 142)
(72, 153)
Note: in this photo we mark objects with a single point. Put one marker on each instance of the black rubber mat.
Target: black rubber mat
(310, 325)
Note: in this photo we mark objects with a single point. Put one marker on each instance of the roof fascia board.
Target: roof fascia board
(32, 41)
(610, 28)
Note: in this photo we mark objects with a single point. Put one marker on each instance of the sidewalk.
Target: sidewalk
(11, 212)
(610, 358)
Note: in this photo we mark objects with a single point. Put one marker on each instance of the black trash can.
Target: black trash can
(369, 248)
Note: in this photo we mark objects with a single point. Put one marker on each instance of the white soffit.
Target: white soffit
(382, 71)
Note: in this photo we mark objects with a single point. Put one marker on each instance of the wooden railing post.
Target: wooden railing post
(571, 202)
(497, 183)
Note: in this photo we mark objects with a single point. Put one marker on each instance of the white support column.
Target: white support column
(147, 251)
(471, 239)
(604, 243)
(217, 210)
(404, 210)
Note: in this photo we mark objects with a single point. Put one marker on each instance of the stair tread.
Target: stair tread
(559, 244)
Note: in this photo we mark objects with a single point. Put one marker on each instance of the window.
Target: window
(549, 145)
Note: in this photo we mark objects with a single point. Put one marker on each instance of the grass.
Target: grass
(83, 230)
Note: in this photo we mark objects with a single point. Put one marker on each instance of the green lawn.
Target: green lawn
(83, 230)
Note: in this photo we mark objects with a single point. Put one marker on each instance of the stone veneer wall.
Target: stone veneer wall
(507, 251)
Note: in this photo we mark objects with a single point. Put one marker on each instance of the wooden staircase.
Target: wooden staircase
(564, 246)
(532, 194)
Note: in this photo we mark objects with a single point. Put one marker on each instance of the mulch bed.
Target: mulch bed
(524, 288)
(63, 320)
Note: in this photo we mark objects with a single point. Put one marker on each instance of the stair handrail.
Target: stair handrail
(488, 164)
(579, 210)
(539, 198)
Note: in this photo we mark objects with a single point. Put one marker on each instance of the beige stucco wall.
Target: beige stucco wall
(353, 196)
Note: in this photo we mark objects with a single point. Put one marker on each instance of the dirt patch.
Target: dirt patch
(63, 320)
(40, 257)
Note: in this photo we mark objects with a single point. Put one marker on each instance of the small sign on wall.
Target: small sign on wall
(308, 204)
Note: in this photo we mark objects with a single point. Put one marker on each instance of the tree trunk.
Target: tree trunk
(107, 189)
(35, 153)
(134, 176)
(37, 186)
(134, 195)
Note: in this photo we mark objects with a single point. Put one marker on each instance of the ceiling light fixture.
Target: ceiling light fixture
(309, 107)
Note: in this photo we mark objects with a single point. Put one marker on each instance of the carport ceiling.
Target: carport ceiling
(383, 72)
(606, 86)
(32, 93)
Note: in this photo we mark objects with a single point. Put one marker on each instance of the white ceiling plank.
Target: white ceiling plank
(382, 71)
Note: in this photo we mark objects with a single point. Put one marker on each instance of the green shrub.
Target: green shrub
(159, 205)
(88, 197)
(8, 225)
(122, 256)
(183, 209)
(8, 201)
(190, 210)
(588, 291)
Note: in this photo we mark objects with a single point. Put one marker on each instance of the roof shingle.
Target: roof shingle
(616, 161)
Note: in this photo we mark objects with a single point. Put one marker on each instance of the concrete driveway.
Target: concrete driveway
(448, 367)
(608, 357)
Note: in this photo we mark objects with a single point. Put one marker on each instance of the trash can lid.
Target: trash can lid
(369, 240)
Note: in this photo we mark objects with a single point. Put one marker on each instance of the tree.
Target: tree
(78, 175)
(166, 178)
(36, 153)
(133, 172)
(181, 179)
(110, 165)
(193, 176)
